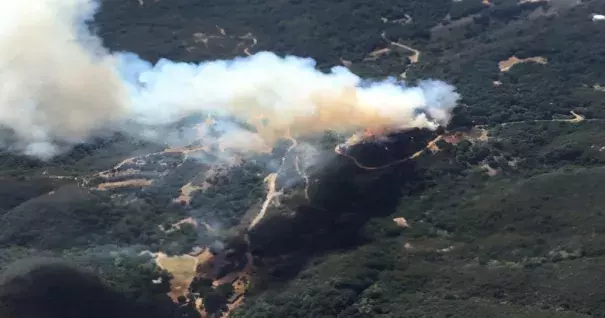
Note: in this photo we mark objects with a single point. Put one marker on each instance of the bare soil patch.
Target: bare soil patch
(506, 65)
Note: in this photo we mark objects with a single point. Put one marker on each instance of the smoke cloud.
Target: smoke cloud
(58, 86)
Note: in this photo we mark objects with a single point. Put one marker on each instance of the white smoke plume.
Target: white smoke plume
(59, 86)
(56, 81)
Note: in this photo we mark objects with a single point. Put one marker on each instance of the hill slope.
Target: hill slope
(503, 207)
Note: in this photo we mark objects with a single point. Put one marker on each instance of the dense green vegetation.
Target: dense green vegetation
(230, 196)
(525, 242)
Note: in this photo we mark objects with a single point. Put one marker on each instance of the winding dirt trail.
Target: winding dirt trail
(577, 118)
(430, 146)
(379, 52)
(142, 159)
(249, 36)
(272, 192)
(414, 58)
(113, 172)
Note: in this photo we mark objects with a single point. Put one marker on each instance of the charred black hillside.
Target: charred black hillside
(342, 197)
